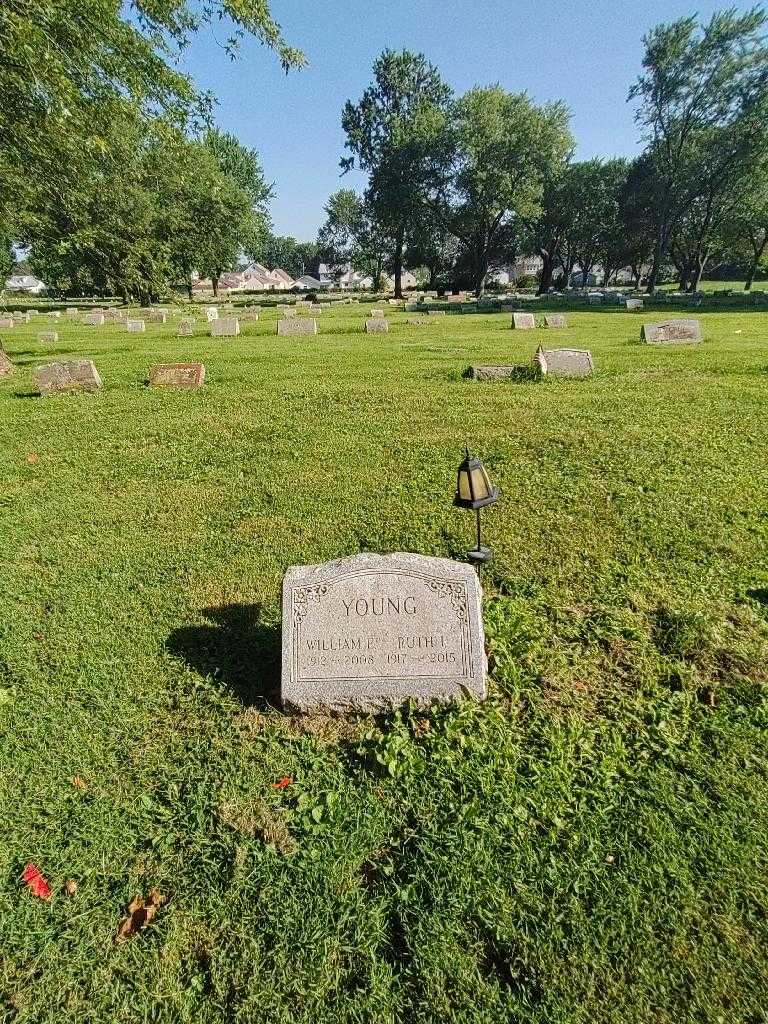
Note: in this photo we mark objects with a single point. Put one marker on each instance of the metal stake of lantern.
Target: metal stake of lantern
(474, 490)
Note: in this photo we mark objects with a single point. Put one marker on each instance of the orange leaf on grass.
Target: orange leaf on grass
(35, 881)
(31, 459)
(140, 913)
(78, 783)
(283, 783)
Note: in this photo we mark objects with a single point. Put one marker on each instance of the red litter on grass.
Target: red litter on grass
(283, 783)
(35, 882)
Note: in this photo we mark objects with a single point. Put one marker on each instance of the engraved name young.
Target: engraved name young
(369, 632)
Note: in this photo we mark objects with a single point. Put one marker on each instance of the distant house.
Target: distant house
(307, 283)
(24, 283)
(253, 278)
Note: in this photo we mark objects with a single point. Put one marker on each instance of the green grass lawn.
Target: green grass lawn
(590, 845)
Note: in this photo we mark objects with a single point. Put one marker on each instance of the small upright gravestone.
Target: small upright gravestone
(158, 316)
(94, 319)
(555, 320)
(135, 326)
(377, 325)
(72, 375)
(366, 633)
(6, 323)
(177, 375)
(436, 312)
(377, 312)
(563, 362)
(225, 327)
(634, 303)
(48, 337)
(6, 366)
(671, 332)
(297, 325)
(211, 313)
(186, 328)
(523, 321)
(72, 311)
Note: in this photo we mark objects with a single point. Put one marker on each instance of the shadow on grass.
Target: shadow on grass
(237, 648)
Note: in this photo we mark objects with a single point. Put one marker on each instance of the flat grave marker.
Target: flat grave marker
(177, 375)
(94, 319)
(369, 632)
(48, 337)
(297, 325)
(135, 326)
(672, 332)
(564, 362)
(69, 375)
(523, 321)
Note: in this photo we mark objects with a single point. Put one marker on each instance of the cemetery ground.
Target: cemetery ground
(590, 845)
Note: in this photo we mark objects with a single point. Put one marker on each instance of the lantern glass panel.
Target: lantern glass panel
(465, 492)
(481, 485)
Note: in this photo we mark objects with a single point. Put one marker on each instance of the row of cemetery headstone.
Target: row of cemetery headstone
(81, 375)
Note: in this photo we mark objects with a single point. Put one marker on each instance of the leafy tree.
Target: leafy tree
(351, 234)
(546, 234)
(507, 149)
(745, 231)
(397, 132)
(702, 100)
(64, 63)
(297, 258)
(431, 244)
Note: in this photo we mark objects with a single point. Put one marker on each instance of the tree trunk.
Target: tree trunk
(189, 289)
(398, 261)
(653, 277)
(758, 251)
(547, 272)
(698, 269)
(215, 283)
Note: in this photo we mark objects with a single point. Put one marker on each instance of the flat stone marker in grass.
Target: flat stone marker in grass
(55, 314)
(564, 362)
(523, 321)
(419, 321)
(315, 310)
(366, 633)
(225, 327)
(48, 337)
(212, 313)
(495, 372)
(135, 326)
(634, 303)
(377, 325)
(377, 312)
(71, 375)
(672, 332)
(6, 323)
(94, 319)
(555, 320)
(297, 325)
(6, 366)
(177, 375)
(436, 312)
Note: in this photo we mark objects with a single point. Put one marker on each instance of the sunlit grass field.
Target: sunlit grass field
(590, 845)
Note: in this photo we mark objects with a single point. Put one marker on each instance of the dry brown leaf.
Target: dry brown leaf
(70, 887)
(79, 783)
(140, 912)
(31, 459)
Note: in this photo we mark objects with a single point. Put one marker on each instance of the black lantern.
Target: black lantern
(474, 490)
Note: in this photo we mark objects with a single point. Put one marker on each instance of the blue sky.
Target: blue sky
(587, 54)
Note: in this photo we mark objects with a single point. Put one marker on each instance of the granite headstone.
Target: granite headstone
(70, 375)
(369, 632)
(177, 375)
